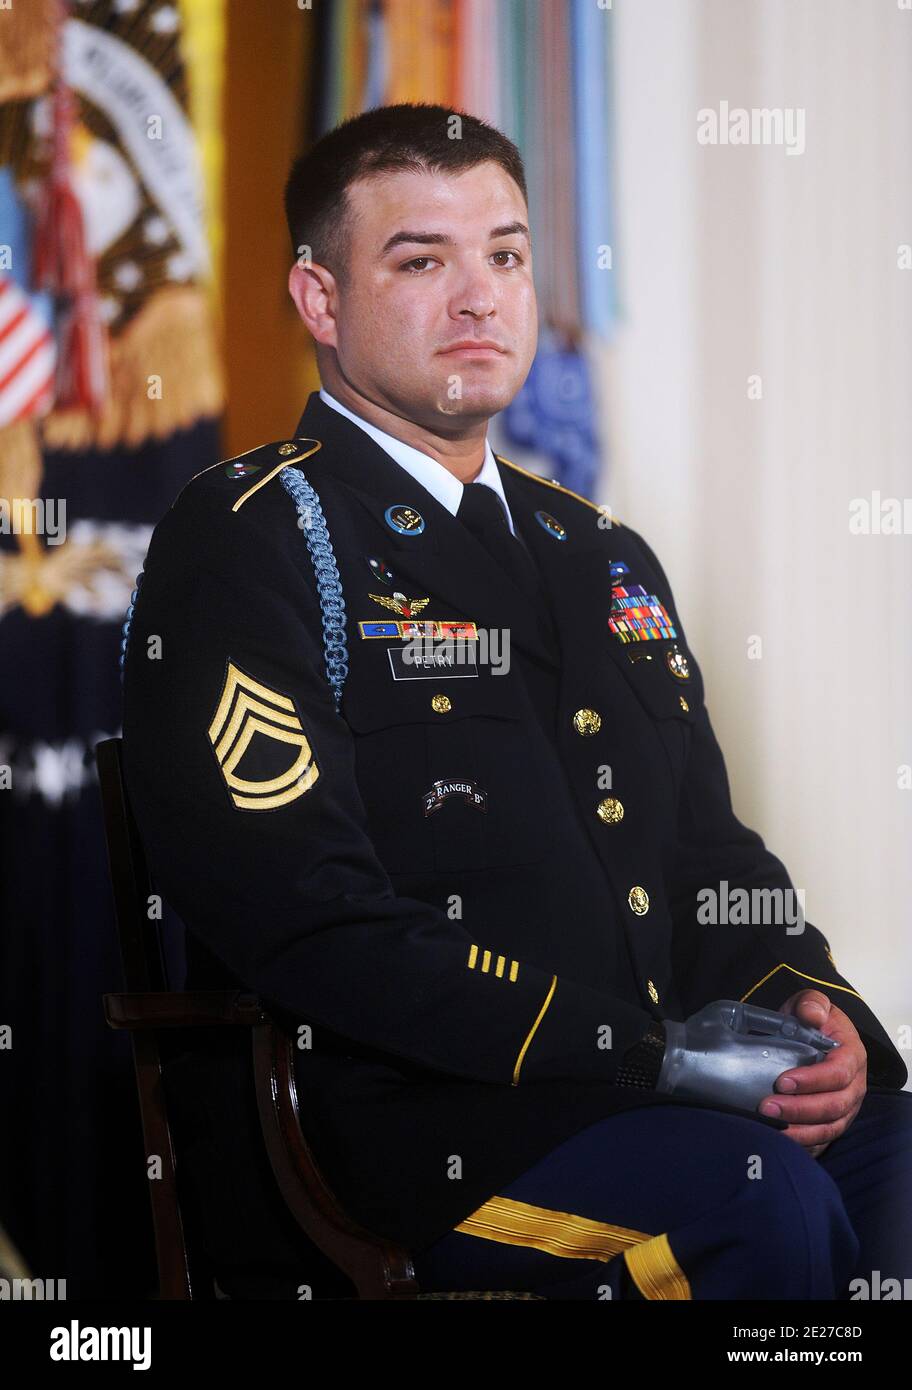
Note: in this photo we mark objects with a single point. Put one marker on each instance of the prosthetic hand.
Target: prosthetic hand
(733, 1053)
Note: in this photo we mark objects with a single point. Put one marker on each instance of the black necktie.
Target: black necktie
(482, 511)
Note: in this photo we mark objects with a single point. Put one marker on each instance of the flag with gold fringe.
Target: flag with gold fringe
(111, 393)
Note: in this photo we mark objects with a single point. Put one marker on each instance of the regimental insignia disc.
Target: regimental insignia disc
(676, 662)
(550, 524)
(404, 520)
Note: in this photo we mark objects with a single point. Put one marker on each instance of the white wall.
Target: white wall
(740, 260)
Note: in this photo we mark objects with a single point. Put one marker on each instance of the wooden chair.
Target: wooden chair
(376, 1267)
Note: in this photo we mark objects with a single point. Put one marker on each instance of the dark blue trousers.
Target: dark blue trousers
(674, 1202)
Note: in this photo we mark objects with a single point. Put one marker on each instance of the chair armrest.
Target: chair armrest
(178, 1009)
(377, 1266)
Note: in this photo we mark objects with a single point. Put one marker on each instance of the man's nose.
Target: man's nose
(474, 296)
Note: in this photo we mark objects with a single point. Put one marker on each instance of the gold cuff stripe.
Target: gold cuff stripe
(560, 1233)
(801, 975)
(656, 1272)
(487, 957)
(286, 463)
(531, 1034)
(559, 487)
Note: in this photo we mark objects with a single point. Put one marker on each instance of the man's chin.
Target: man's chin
(476, 402)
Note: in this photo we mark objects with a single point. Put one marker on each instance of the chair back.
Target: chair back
(144, 971)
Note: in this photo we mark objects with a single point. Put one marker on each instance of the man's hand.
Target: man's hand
(827, 1095)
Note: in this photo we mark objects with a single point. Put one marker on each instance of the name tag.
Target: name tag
(441, 663)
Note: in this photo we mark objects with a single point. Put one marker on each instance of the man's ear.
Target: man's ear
(313, 289)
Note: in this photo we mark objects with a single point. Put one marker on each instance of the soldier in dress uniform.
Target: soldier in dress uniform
(420, 752)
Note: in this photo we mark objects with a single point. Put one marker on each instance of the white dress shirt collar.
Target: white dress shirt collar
(433, 476)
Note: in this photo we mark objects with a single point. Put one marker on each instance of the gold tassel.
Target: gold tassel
(20, 461)
(20, 483)
(35, 575)
(171, 338)
(27, 39)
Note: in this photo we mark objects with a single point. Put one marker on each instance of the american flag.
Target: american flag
(27, 355)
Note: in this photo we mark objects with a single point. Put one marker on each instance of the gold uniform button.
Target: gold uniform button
(684, 705)
(638, 899)
(286, 449)
(587, 721)
(440, 704)
(610, 810)
(652, 992)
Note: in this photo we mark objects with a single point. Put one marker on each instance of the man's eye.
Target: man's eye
(409, 266)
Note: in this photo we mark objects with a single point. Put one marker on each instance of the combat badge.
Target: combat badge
(260, 727)
(409, 608)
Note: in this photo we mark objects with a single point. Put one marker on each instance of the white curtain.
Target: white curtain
(741, 262)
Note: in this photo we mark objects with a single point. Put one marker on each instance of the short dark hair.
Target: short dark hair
(410, 136)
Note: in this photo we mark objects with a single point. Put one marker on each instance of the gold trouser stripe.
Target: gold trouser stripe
(800, 973)
(531, 1033)
(655, 1271)
(560, 1233)
(286, 463)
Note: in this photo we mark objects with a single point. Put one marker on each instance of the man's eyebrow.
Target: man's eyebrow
(441, 238)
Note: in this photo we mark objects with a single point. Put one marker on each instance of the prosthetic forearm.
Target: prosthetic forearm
(727, 1052)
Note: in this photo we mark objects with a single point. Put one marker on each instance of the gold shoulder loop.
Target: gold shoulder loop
(552, 482)
(283, 446)
(240, 465)
(293, 452)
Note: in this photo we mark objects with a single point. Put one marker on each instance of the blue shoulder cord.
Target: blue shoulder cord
(329, 584)
(125, 630)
